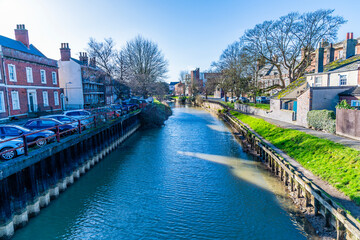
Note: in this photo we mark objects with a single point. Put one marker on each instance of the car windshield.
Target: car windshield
(23, 129)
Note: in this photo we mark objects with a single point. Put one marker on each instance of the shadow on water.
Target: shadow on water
(187, 180)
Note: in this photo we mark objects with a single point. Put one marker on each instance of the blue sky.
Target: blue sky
(189, 33)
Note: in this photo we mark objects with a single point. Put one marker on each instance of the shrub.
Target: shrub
(322, 120)
(344, 105)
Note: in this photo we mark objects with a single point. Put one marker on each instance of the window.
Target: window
(43, 76)
(56, 98)
(11, 131)
(12, 73)
(2, 102)
(15, 100)
(48, 123)
(318, 81)
(355, 103)
(29, 75)
(53, 75)
(45, 98)
(342, 80)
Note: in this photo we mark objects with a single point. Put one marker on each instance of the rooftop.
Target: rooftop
(16, 45)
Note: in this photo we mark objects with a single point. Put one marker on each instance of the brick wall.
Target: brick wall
(303, 107)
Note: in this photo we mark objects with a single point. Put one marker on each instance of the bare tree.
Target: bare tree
(281, 42)
(103, 52)
(146, 65)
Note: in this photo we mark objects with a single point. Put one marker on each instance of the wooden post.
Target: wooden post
(340, 228)
(298, 190)
(327, 218)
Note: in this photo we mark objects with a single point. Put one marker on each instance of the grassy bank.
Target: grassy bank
(229, 104)
(259, 105)
(333, 162)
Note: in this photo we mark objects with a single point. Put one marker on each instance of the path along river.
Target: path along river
(187, 180)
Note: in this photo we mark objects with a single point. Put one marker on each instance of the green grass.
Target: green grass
(259, 105)
(176, 97)
(333, 162)
(229, 104)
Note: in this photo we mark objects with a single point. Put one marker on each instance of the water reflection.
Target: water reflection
(158, 186)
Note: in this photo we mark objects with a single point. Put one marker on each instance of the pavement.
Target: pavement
(352, 143)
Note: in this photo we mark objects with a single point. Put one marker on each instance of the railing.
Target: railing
(94, 121)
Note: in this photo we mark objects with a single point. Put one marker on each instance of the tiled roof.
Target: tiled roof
(354, 91)
(16, 45)
(343, 64)
(173, 83)
(77, 61)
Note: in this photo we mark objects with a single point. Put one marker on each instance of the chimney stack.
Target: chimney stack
(349, 45)
(330, 54)
(65, 52)
(84, 58)
(92, 62)
(21, 35)
(319, 58)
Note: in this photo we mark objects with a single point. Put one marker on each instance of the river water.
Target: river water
(187, 180)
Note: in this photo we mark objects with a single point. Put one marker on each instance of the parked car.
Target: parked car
(262, 99)
(64, 119)
(40, 138)
(83, 115)
(44, 123)
(244, 99)
(8, 145)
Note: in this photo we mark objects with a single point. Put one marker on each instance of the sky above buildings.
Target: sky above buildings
(190, 33)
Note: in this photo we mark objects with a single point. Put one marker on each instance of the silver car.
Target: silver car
(6, 152)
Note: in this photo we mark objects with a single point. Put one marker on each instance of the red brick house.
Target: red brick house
(28, 79)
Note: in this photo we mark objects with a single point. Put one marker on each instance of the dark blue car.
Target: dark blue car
(40, 138)
(44, 123)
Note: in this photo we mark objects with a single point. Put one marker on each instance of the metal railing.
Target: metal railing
(93, 121)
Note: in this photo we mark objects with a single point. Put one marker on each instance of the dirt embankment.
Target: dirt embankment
(154, 115)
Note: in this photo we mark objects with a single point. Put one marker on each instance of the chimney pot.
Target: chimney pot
(21, 35)
(65, 52)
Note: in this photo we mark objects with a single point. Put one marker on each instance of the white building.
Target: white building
(83, 82)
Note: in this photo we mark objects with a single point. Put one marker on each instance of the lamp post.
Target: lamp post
(66, 91)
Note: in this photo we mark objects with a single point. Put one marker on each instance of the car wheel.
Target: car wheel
(8, 155)
(40, 142)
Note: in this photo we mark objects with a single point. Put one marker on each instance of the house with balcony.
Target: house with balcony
(28, 79)
(83, 82)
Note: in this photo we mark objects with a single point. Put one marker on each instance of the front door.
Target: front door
(32, 100)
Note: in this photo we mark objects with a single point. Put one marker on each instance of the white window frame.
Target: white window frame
(56, 98)
(46, 103)
(319, 83)
(29, 75)
(0, 68)
(355, 103)
(42, 71)
(2, 102)
(342, 78)
(14, 79)
(54, 77)
(15, 96)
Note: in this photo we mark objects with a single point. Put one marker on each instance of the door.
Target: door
(32, 100)
(294, 110)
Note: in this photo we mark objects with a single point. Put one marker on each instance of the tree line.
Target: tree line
(286, 43)
(139, 65)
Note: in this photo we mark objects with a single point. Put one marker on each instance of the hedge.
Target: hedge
(322, 120)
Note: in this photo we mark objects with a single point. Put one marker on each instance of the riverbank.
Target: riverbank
(155, 114)
(275, 162)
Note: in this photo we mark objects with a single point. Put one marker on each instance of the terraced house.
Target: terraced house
(28, 79)
(84, 84)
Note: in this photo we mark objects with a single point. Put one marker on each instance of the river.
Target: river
(187, 180)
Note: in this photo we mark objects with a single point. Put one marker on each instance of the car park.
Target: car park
(82, 115)
(40, 138)
(49, 123)
(244, 99)
(262, 99)
(64, 119)
(10, 148)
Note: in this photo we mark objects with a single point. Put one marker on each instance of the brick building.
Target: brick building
(28, 79)
(84, 84)
(179, 89)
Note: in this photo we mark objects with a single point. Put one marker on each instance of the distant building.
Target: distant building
(28, 79)
(179, 89)
(83, 82)
(172, 86)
